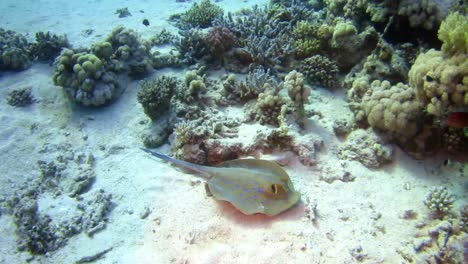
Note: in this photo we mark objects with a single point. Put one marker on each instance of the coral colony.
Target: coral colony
(399, 83)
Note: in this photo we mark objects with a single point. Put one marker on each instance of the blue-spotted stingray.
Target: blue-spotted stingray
(251, 185)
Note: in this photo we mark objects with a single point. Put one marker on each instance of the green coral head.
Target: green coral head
(453, 32)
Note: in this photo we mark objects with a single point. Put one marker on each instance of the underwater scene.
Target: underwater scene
(234, 131)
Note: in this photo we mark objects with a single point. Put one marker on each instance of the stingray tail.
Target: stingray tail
(204, 171)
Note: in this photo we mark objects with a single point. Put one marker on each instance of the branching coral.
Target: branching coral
(191, 46)
(155, 95)
(201, 14)
(264, 34)
(219, 40)
(250, 87)
(48, 46)
(439, 201)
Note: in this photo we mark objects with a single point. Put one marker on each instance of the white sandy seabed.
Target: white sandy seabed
(359, 220)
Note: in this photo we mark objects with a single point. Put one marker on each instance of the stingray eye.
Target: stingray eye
(274, 188)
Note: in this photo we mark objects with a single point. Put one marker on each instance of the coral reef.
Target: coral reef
(439, 241)
(440, 81)
(349, 47)
(48, 46)
(294, 83)
(425, 14)
(439, 201)
(264, 34)
(20, 97)
(201, 15)
(320, 70)
(162, 37)
(14, 51)
(219, 40)
(392, 109)
(163, 60)
(270, 106)
(441, 77)
(131, 54)
(84, 78)
(155, 95)
(250, 87)
(189, 100)
(305, 43)
(367, 148)
(90, 77)
(191, 46)
(453, 34)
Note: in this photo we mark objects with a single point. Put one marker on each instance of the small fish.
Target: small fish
(251, 185)
(145, 22)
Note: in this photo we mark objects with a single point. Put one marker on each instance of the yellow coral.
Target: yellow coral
(439, 80)
(453, 32)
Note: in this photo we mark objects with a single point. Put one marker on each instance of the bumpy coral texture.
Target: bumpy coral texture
(441, 77)
(320, 70)
(155, 95)
(90, 77)
(392, 108)
(367, 148)
(424, 13)
(84, 78)
(441, 82)
(269, 105)
(131, 54)
(453, 32)
(294, 83)
(14, 54)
